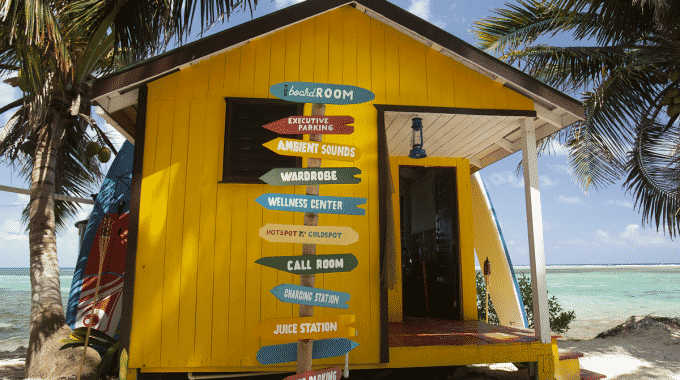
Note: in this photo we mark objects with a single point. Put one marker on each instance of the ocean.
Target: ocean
(602, 296)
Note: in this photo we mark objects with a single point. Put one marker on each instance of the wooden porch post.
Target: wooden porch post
(535, 226)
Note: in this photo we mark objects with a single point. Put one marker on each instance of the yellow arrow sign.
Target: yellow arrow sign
(290, 233)
(292, 329)
(313, 149)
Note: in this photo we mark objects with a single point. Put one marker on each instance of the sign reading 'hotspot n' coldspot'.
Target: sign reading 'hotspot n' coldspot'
(308, 92)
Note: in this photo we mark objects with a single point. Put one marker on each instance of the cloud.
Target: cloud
(620, 203)
(604, 237)
(548, 226)
(13, 231)
(572, 200)
(558, 149)
(560, 169)
(421, 8)
(634, 234)
(285, 3)
(575, 241)
(13, 227)
(544, 180)
(506, 177)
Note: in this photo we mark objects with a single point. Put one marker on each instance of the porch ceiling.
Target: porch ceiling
(483, 139)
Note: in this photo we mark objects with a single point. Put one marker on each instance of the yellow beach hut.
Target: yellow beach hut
(194, 292)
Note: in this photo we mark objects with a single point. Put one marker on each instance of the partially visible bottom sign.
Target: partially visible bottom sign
(324, 374)
(324, 348)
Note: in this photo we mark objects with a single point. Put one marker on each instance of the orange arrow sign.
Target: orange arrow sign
(292, 329)
(313, 149)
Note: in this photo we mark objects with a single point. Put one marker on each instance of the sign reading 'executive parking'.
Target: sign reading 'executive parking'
(323, 93)
(321, 125)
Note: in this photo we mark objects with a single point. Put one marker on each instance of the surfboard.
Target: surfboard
(113, 201)
(489, 242)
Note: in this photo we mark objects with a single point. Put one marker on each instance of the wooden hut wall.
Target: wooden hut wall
(198, 291)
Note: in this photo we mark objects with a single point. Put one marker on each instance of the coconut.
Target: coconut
(92, 148)
(104, 155)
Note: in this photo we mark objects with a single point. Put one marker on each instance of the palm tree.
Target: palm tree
(52, 50)
(627, 68)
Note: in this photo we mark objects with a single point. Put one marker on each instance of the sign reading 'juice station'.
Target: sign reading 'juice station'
(306, 328)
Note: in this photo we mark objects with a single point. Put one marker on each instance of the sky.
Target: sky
(601, 227)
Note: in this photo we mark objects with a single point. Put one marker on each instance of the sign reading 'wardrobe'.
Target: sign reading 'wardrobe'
(308, 92)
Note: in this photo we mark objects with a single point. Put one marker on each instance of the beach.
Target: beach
(602, 297)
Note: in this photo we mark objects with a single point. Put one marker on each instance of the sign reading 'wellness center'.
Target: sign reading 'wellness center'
(322, 93)
(312, 203)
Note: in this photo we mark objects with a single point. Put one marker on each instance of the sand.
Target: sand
(641, 348)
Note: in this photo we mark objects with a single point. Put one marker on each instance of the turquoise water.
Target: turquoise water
(601, 296)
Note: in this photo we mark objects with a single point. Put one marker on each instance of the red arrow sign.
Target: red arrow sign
(326, 374)
(326, 125)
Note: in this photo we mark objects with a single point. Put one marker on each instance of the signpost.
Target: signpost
(313, 149)
(312, 204)
(305, 295)
(322, 125)
(321, 93)
(293, 329)
(343, 262)
(311, 176)
(323, 374)
(289, 233)
(287, 352)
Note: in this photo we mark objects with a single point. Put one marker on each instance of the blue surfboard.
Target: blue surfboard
(115, 190)
(321, 349)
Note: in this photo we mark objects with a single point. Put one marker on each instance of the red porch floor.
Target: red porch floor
(414, 332)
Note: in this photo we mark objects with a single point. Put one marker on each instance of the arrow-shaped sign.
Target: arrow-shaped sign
(313, 149)
(290, 233)
(312, 203)
(323, 374)
(322, 349)
(292, 329)
(323, 93)
(311, 176)
(304, 295)
(343, 262)
(322, 125)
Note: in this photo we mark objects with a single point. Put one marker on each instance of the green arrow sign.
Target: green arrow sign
(308, 264)
(311, 176)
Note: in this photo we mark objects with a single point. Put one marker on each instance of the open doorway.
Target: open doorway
(430, 248)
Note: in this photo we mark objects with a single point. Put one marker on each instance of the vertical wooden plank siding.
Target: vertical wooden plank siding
(467, 244)
(198, 292)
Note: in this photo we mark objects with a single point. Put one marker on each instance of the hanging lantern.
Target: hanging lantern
(417, 139)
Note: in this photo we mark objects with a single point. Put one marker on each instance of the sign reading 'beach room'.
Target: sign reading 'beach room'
(291, 233)
(309, 264)
(311, 176)
(321, 125)
(322, 93)
(313, 149)
(312, 203)
(306, 328)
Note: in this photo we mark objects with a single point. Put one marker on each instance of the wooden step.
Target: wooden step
(570, 355)
(590, 375)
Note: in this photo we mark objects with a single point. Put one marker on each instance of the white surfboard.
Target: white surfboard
(503, 288)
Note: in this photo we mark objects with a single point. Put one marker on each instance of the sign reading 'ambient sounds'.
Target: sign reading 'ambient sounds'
(321, 125)
(304, 295)
(322, 349)
(306, 328)
(309, 92)
(311, 264)
(312, 203)
(291, 233)
(311, 176)
(313, 149)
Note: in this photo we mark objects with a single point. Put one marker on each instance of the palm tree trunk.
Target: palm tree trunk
(47, 311)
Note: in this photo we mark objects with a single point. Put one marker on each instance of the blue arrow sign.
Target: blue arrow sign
(324, 93)
(305, 295)
(321, 349)
(312, 203)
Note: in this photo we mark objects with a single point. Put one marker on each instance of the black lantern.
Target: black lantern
(417, 139)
